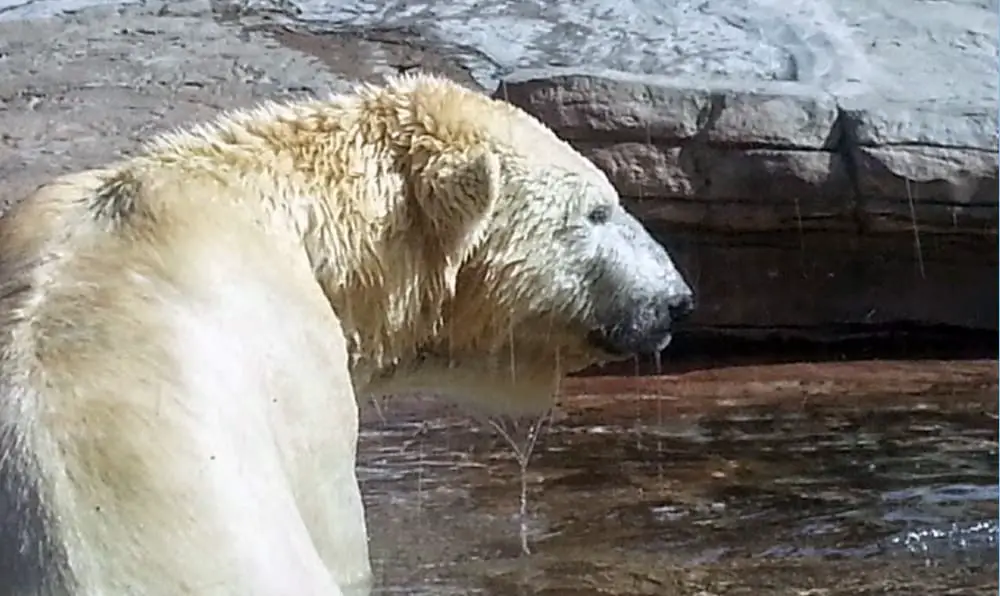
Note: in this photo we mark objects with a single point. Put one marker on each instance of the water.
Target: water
(644, 495)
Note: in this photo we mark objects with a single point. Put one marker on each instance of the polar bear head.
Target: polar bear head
(548, 272)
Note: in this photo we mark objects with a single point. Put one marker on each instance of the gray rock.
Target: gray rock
(13, 10)
(732, 189)
(828, 283)
(876, 122)
(85, 89)
(925, 165)
(897, 48)
(621, 106)
(928, 187)
(922, 53)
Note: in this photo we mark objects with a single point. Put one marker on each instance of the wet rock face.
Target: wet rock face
(788, 206)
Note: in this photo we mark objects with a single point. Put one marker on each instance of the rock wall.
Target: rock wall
(791, 209)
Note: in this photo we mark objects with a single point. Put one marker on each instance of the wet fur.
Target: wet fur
(33, 559)
(182, 333)
(98, 281)
(112, 277)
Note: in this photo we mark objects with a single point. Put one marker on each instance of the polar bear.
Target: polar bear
(183, 334)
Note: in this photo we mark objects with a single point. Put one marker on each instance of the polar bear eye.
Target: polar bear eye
(600, 214)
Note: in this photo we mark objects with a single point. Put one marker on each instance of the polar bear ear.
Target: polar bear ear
(459, 193)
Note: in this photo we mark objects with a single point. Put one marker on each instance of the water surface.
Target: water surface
(674, 488)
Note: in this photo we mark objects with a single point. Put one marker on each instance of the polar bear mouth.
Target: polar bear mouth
(627, 345)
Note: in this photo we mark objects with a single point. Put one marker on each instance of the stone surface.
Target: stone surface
(775, 142)
(845, 47)
(941, 50)
(850, 211)
(929, 163)
(85, 89)
(815, 166)
(580, 104)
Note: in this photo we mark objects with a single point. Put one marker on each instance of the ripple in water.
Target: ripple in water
(742, 488)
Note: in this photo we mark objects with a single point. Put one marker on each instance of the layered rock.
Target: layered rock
(791, 208)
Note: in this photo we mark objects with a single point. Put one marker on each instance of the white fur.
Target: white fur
(182, 333)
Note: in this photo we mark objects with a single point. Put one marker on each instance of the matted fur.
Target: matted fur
(182, 334)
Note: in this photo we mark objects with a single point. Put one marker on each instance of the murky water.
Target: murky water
(649, 494)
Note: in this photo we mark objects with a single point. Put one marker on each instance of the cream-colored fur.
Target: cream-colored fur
(182, 334)
(182, 389)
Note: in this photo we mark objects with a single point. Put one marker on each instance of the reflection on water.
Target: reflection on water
(641, 497)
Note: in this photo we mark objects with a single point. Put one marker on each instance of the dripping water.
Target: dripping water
(916, 231)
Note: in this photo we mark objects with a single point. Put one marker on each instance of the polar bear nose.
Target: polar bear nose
(643, 328)
(680, 306)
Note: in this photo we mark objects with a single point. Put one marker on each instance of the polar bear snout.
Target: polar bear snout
(680, 306)
(645, 329)
(639, 294)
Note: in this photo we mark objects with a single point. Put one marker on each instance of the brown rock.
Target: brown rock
(953, 190)
(929, 167)
(728, 189)
(619, 106)
(643, 170)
